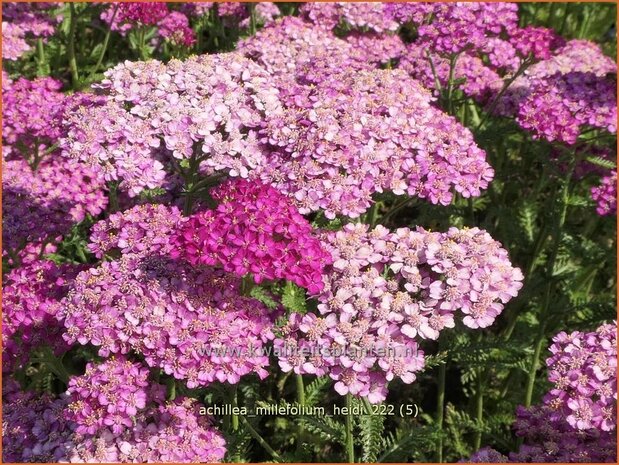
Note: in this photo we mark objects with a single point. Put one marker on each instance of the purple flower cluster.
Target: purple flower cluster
(178, 317)
(605, 195)
(537, 42)
(254, 230)
(583, 369)
(459, 27)
(558, 107)
(556, 97)
(35, 430)
(480, 81)
(110, 395)
(207, 108)
(578, 419)
(357, 15)
(290, 49)
(142, 230)
(31, 298)
(21, 21)
(355, 134)
(14, 45)
(32, 115)
(175, 27)
(384, 291)
(41, 205)
(171, 25)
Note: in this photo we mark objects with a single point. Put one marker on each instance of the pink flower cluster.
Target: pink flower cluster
(480, 81)
(357, 15)
(578, 418)
(605, 195)
(21, 21)
(110, 395)
(290, 49)
(557, 97)
(142, 230)
(180, 318)
(35, 430)
(537, 42)
(355, 134)
(41, 205)
(32, 115)
(384, 291)
(207, 108)
(560, 106)
(172, 25)
(583, 369)
(31, 296)
(254, 230)
(458, 27)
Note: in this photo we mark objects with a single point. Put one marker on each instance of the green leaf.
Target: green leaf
(294, 298)
(602, 162)
(262, 295)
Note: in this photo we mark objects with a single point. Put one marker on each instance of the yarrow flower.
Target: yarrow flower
(358, 15)
(254, 230)
(583, 368)
(459, 27)
(31, 296)
(605, 195)
(32, 116)
(35, 429)
(142, 230)
(355, 134)
(110, 395)
(41, 205)
(538, 42)
(384, 292)
(578, 417)
(480, 81)
(22, 22)
(178, 317)
(207, 108)
(558, 107)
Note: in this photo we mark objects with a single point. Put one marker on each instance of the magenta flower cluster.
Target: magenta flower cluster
(254, 230)
(35, 429)
(110, 395)
(605, 195)
(31, 296)
(355, 134)
(384, 292)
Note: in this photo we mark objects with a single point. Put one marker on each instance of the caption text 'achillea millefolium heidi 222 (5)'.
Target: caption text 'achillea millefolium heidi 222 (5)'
(309, 232)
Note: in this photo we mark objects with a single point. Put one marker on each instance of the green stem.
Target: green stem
(113, 205)
(75, 77)
(252, 19)
(235, 404)
(450, 87)
(525, 64)
(557, 235)
(440, 409)
(106, 41)
(300, 390)
(350, 446)
(539, 343)
(261, 440)
(479, 408)
(42, 66)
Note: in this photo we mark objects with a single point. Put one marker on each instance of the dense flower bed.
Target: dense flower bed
(213, 210)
